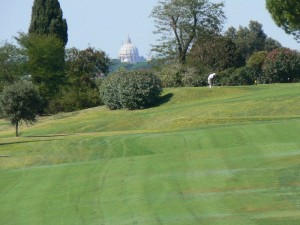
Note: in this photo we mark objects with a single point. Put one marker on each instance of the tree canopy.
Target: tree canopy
(45, 61)
(47, 19)
(84, 66)
(12, 64)
(179, 22)
(282, 65)
(286, 14)
(251, 39)
(215, 52)
(84, 71)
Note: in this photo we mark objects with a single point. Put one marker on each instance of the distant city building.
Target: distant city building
(129, 53)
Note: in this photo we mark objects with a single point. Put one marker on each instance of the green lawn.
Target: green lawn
(227, 156)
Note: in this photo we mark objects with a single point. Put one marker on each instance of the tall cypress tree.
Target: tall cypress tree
(47, 19)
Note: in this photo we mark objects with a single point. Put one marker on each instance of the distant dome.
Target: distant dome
(129, 53)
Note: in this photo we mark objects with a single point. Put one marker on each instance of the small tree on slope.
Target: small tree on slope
(20, 102)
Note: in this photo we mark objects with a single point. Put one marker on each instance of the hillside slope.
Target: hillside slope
(183, 108)
(225, 156)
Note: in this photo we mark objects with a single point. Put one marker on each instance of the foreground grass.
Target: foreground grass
(204, 157)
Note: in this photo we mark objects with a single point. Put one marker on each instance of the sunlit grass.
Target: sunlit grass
(229, 155)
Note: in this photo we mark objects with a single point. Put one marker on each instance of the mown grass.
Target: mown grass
(187, 108)
(224, 156)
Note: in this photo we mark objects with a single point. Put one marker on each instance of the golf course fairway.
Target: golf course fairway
(228, 156)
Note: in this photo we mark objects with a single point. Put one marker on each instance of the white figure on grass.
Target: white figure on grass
(210, 79)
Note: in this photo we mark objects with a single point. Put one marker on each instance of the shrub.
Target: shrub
(171, 75)
(131, 90)
(281, 65)
(109, 91)
(255, 63)
(235, 76)
(71, 100)
(176, 75)
(192, 78)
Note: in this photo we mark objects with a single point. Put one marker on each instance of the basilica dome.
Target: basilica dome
(129, 53)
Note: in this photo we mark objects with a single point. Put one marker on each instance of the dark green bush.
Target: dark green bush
(109, 91)
(131, 90)
(71, 100)
(139, 89)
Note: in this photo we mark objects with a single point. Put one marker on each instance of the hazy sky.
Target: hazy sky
(105, 24)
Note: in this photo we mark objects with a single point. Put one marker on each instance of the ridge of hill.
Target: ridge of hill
(181, 108)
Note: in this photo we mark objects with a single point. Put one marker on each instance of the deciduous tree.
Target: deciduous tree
(84, 72)
(12, 64)
(179, 22)
(83, 67)
(45, 62)
(214, 52)
(20, 102)
(248, 39)
(251, 39)
(282, 65)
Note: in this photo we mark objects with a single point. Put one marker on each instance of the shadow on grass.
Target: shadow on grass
(48, 135)
(25, 142)
(164, 99)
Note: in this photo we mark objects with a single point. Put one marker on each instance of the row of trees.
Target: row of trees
(67, 79)
(180, 23)
(239, 56)
(190, 34)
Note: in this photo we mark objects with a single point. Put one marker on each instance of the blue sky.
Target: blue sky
(104, 24)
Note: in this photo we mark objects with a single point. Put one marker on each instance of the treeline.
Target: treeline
(67, 79)
(242, 56)
(70, 79)
(117, 65)
(192, 44)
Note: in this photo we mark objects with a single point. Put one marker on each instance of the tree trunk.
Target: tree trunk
(17, 129)
(183, 58)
